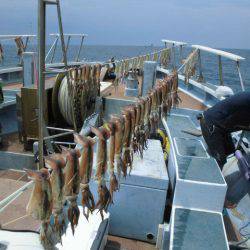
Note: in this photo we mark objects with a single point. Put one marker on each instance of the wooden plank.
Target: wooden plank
(189, 102)
(115, 243)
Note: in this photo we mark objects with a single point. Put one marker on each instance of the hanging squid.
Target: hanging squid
(84, 93)
(103, 192)
(169, 85)
(141, 135)
(103, 135)
(164, 105)
(72, 184)
(126, 156)
(113, 182)
(158, 89)
(40, 203)
(139, 142)
(136, 135)
(104, 197)
(97, 78)
(56, 162)
(131, 114)
(154, 115)
(20, 46)
(85, 171)
(176, 99)
(147, 129)
(119, 130)
(113, 185)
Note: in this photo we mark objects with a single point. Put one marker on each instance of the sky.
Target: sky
(215, 23)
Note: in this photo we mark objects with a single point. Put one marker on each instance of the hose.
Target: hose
(165, 143)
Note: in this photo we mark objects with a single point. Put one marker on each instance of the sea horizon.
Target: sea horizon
(103, 53)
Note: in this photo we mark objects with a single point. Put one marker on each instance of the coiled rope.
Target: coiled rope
(76, 99)
(65, 102)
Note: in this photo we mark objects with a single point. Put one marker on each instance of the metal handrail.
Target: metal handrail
(5, 202)
(54, 45)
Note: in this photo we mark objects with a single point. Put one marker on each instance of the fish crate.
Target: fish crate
(139, 205)
(197, 230)
(194, 175)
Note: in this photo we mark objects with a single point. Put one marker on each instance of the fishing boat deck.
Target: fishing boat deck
(15, 214)
(11, 180)
(14, 217)
(18, 85)
(186, 100)
(15, 85)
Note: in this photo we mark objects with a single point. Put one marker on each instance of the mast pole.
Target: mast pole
(64, 49)
(41, 82)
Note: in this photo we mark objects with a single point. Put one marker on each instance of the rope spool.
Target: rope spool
(64, 102)
(75, 100)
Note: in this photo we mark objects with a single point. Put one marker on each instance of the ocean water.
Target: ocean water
(104, 53)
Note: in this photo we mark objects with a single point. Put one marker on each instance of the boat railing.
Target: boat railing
(13, 37)
(14, 74)
(220, 54)
(175, 45)
(191, 86)
(52, 50)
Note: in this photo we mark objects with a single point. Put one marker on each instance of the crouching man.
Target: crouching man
(218, 122)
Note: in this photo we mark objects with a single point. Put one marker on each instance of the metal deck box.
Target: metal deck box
(197, 230)
(194, 175)
(139, 206)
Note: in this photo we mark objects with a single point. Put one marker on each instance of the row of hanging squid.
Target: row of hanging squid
(191, 65)
(69, 173)
(136, 63)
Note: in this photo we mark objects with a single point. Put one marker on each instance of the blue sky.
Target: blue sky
(216, 23)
